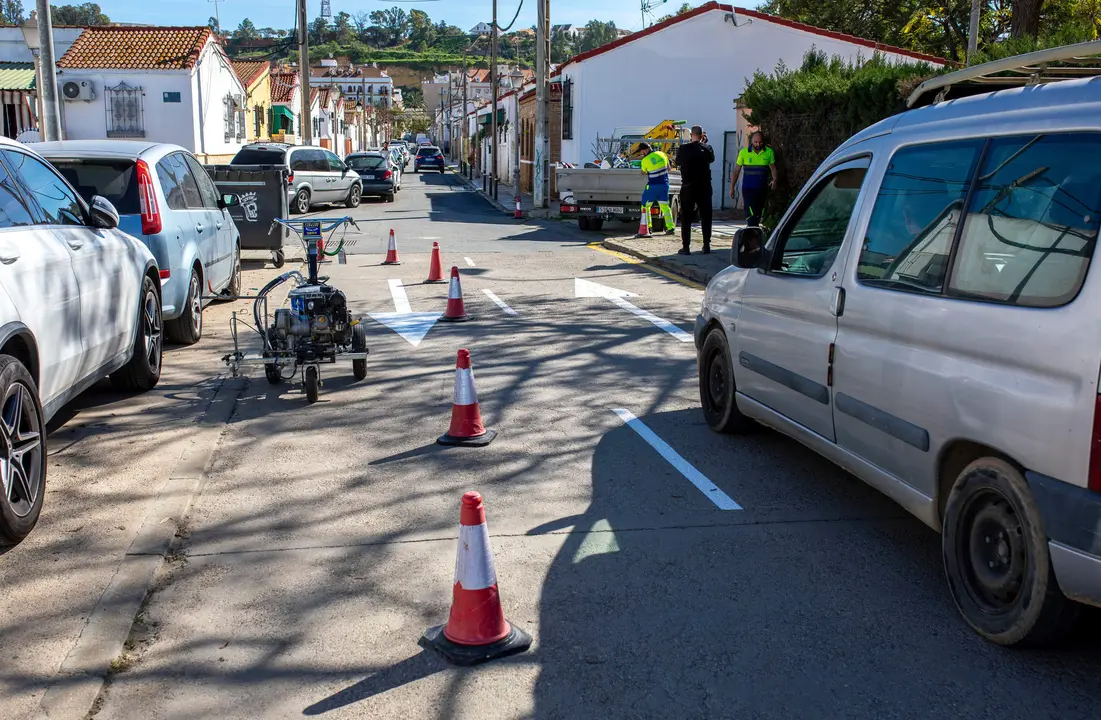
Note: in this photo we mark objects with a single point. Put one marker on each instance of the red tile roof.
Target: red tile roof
(708, 7)
(282, 87)
(134, 48)
(249, 71)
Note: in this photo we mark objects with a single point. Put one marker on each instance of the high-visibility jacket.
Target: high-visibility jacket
(656, 167)
(755, 172)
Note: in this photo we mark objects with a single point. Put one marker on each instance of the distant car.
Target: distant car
(376, 174)
(429, 157)
(79, 301)
(165, 198)
(314, 175)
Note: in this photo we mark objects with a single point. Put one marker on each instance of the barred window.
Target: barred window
(567, 109)
(125, 111)
(258, 120)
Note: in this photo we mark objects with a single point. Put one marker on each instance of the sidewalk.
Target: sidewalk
(661, 251)
(506, 198)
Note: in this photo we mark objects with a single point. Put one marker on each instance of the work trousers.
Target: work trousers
(754, 204)
(695, 200)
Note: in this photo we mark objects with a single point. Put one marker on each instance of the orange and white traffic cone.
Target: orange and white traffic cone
(466, 417)
(476, 629)
(435, 268)
(456, 311)
(519, 215)
(392, 251)
(644, 224)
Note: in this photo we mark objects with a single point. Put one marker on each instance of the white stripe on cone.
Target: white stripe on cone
(465, 394)
(453, 291)
(474, 561)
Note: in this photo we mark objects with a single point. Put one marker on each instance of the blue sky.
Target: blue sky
(626, 14)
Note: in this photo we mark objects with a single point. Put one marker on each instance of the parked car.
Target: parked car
(924, 315)
(166, 199)
(314, 175)
(376, 174)
(79, 301)
(431, 157)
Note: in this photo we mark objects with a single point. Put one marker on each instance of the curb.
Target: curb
(692, 273)
(535, 213)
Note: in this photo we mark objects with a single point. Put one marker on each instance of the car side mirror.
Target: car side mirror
(748, 248)
(103, 214)
(228, 201)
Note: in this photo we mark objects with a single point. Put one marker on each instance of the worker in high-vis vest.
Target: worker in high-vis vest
(656, 167)
(757, 165)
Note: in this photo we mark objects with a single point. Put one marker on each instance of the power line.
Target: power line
(506, 29)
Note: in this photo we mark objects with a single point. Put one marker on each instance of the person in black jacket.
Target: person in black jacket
(694, 162)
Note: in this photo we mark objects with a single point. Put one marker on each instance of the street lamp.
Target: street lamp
(516, 78)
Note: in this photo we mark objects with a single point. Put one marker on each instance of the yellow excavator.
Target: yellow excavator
(666, 136)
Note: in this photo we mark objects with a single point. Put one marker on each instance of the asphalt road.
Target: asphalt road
(323, 541)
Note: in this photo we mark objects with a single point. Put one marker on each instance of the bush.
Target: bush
(806, 113)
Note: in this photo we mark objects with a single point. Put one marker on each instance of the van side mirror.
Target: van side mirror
(228, 201)
(748, 248)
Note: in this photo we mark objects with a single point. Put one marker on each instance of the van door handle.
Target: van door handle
(218, 225)
(837, 305)
(9, 257)
(199, 227)
(74, 244)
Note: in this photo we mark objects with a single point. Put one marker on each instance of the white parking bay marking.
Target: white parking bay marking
(500, 303)
(469, 262)
(587, 288)
(401, 300)
(708, 488)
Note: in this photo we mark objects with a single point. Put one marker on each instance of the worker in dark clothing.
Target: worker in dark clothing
(694, 162)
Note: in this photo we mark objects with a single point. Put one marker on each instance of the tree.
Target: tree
(412, 97)
(88, 14)
(562, 46)
(394, 23)
(13, 12)
(246, 31)
(597, 34)
(361, 20)
(685, 8)
(421, 30)
(342, 27)
(212, 23)
(319, 31)
(1025, 21)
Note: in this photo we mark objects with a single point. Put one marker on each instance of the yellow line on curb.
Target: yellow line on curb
(637, 261)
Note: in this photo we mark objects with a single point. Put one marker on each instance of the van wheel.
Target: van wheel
(302, 202)
(717, 387)
(353, 197)
(22, 451)
(583, 223)
(996, 558)
(596, 224)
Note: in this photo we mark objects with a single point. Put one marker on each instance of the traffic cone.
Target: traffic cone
(643, 224)
(518, 215)
(476, 629)
(392, 251)
(456, 311)
(466, 418)
(435, 268)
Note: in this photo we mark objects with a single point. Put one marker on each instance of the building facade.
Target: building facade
(256, 78)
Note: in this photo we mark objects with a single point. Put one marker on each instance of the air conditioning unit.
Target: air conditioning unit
(73, 90)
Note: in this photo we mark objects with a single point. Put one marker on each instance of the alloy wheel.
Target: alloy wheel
(151, 329)
(20, 450)
(195, 299)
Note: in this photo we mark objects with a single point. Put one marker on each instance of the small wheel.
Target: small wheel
(302, 201)
(717, 387)
(996, 558)
(278, 258)
(188, 327)
(235, 284)
(311, 385)
(353, 197)
(22, 450)
(359, 344)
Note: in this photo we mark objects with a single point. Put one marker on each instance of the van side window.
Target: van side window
(909, 239)
(1032, 227)
(810, 242)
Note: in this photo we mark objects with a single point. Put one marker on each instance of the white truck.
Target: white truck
(594, 195)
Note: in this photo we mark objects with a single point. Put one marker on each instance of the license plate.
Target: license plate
(610, 210)
(369, 177)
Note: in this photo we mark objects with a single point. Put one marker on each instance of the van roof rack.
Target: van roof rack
(1070, 61)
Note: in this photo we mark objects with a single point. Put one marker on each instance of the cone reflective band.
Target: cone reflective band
(435, 268)
(476, 629)
(392, 252)
(644, 224)
(466, 416)
(456, 311)
(519, 215)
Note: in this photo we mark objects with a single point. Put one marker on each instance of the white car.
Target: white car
(79, 301)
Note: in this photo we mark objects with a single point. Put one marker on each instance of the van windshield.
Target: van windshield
(111, 179)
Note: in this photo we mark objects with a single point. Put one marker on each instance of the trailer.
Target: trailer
(594, 195)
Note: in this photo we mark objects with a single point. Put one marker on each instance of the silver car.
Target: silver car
(314, 175)
(164, 198)
(925, 316)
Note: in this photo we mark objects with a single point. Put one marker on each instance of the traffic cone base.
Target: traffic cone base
(476, 441)
(517, 641)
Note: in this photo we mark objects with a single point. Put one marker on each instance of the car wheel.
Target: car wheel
(143, 372)
(187, 329)
(302, 201)
(717, 389)
(312, 385)
(235, 284)
(996, 558)
(354, 196)
(22, 451)
(359, 345)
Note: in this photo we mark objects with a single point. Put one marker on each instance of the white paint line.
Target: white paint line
(647, 315)
(500, 303)
(708, 488)
(469, 261)
(401, 300)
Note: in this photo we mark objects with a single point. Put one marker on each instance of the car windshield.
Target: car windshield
(428, 151)
(366, 162)
(259, 156)
(112, 179)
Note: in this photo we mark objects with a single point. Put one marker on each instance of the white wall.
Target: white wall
(700, 65)
(163, 122)
(214, 77)
(14, 49)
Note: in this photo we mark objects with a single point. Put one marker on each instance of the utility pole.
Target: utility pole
(303, 72)
(542, 106)
(973, 31)
(363, 104)
(493, 113)
(217, 16)
(463, 129)
(51, 127)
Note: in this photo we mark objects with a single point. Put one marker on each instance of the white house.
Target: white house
(13, 48)
(481, 29)
(700, 62)
(165, 84)
(366, 83)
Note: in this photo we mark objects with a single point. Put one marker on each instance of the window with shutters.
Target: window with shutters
(241, 120)
(258, 120)
(567, 109)
(229, 116)
(125, 111)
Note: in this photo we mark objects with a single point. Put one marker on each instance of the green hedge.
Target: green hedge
(806, 113)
